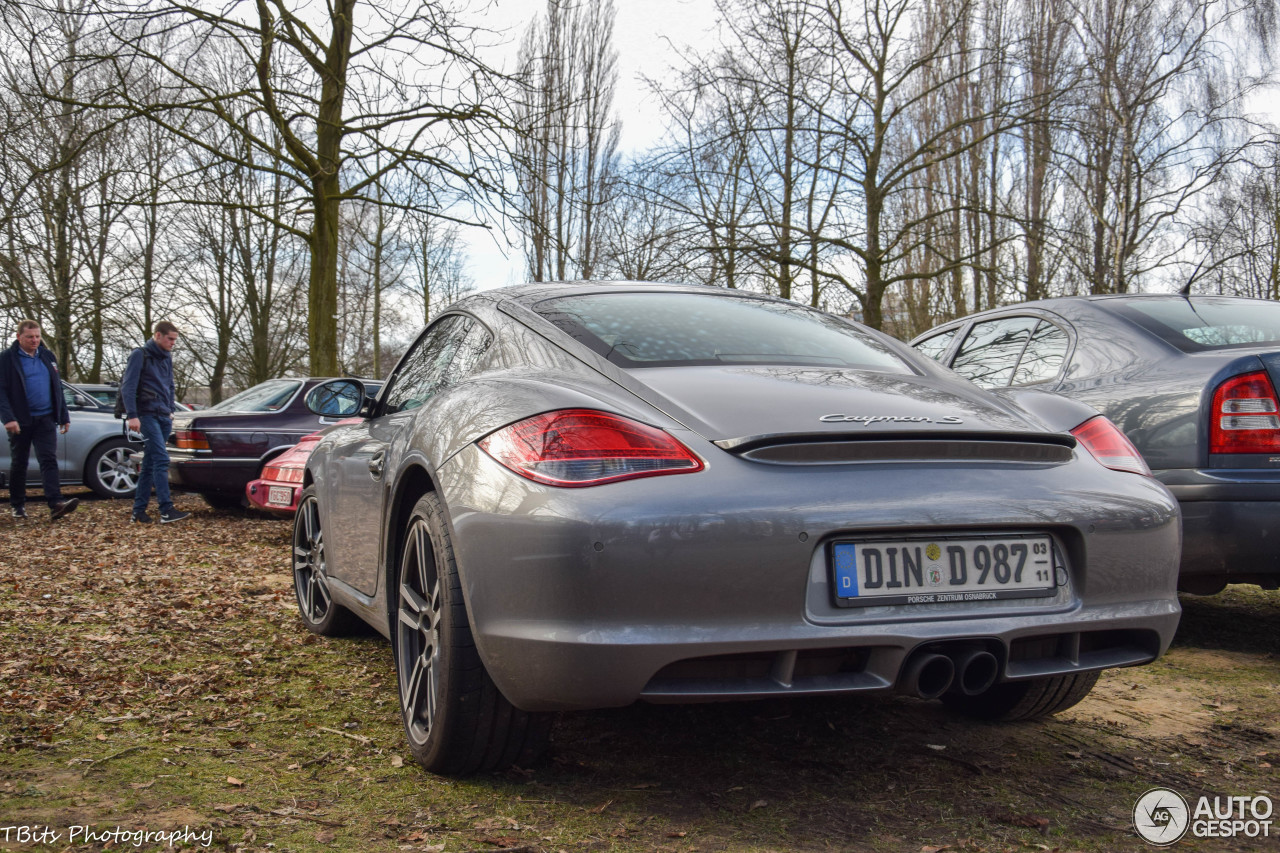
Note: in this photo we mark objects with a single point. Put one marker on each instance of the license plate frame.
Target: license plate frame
(280, 496)
(880, 571)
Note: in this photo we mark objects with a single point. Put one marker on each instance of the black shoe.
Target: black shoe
(173, 515)
(19, 512)
(139, 518)
(61, 508)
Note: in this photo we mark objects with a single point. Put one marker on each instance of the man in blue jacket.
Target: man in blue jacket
(149, 392)
(32, 410)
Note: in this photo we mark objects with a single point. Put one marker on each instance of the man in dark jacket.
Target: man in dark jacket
(32, 410)
(148, 392)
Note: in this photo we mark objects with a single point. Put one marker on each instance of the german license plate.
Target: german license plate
(279, 495)
(934, 571)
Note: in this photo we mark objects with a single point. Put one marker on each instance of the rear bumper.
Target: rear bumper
(573, 668)
(1230, 527)
(228, 476)
(717, 585)
(261, 492)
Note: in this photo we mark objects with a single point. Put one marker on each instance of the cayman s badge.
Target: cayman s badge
(868, 420)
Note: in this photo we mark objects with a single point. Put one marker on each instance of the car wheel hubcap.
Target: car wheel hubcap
(418, 633)
(115, 472)
(308, 563)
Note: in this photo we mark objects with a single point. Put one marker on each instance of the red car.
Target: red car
(281, 482)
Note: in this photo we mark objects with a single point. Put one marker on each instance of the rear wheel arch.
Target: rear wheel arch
(456, 720)
(412, 484)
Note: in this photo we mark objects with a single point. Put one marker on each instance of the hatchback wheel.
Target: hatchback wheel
(456, 720)
(109, 471)
(310, 581)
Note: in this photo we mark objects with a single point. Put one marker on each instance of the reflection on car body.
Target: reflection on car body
(584, 495)
(277, 490)
(1191, 380)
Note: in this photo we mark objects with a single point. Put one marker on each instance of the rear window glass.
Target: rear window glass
(270, 396)
(1206, 322)
(680, 329)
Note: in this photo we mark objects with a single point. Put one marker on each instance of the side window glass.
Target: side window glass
(473, 342)
(419, 376)
(991, 350)
(936, 346)
(76, 400)
(1042, 360)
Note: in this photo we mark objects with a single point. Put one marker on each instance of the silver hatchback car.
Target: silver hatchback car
(95, 451)
(584, 495)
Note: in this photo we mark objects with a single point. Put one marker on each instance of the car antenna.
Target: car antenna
(1185, 291)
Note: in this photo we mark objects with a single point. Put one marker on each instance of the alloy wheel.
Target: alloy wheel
(115, 471)
(309, 577)
(418, 634)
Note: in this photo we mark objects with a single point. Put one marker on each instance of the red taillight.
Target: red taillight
(1245, 416)
(191, 439)
(282, 475)
(1109, 446)
(581, 447)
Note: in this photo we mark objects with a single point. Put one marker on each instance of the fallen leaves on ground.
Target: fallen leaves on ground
(98, 612)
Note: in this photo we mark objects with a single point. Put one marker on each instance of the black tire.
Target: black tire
(456, 720)
(107, 470)
(310, 573)
(1024, 700)
(222, 500)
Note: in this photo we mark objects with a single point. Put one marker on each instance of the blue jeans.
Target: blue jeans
(42, 435)
(155, 463)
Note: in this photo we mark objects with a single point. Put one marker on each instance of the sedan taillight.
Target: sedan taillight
(191, 439)
(1109, 446)
(582, 447)
(1245, 416)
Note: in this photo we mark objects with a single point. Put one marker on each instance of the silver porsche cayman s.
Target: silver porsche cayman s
(584, 495)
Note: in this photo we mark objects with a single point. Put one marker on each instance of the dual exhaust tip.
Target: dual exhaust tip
(969, 671)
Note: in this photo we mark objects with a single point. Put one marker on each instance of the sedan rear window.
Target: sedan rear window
(682, 329)
(1206, 322)
(270, 396)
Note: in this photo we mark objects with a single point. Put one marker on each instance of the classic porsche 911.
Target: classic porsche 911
(573, 496)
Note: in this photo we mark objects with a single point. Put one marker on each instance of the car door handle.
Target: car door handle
(376, 462)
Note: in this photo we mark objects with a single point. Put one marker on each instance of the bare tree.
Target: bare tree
(794, 147)
(440, 263)
(1049, 74)
(59, 179)
(890, 58)
(1155, 123)
(707, 165)
(645, 236)
(567, 155)
(1238, 233)
(399, 84)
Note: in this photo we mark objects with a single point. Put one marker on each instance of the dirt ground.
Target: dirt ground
(157, 679)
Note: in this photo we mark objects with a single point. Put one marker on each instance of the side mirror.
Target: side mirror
(337, 398)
